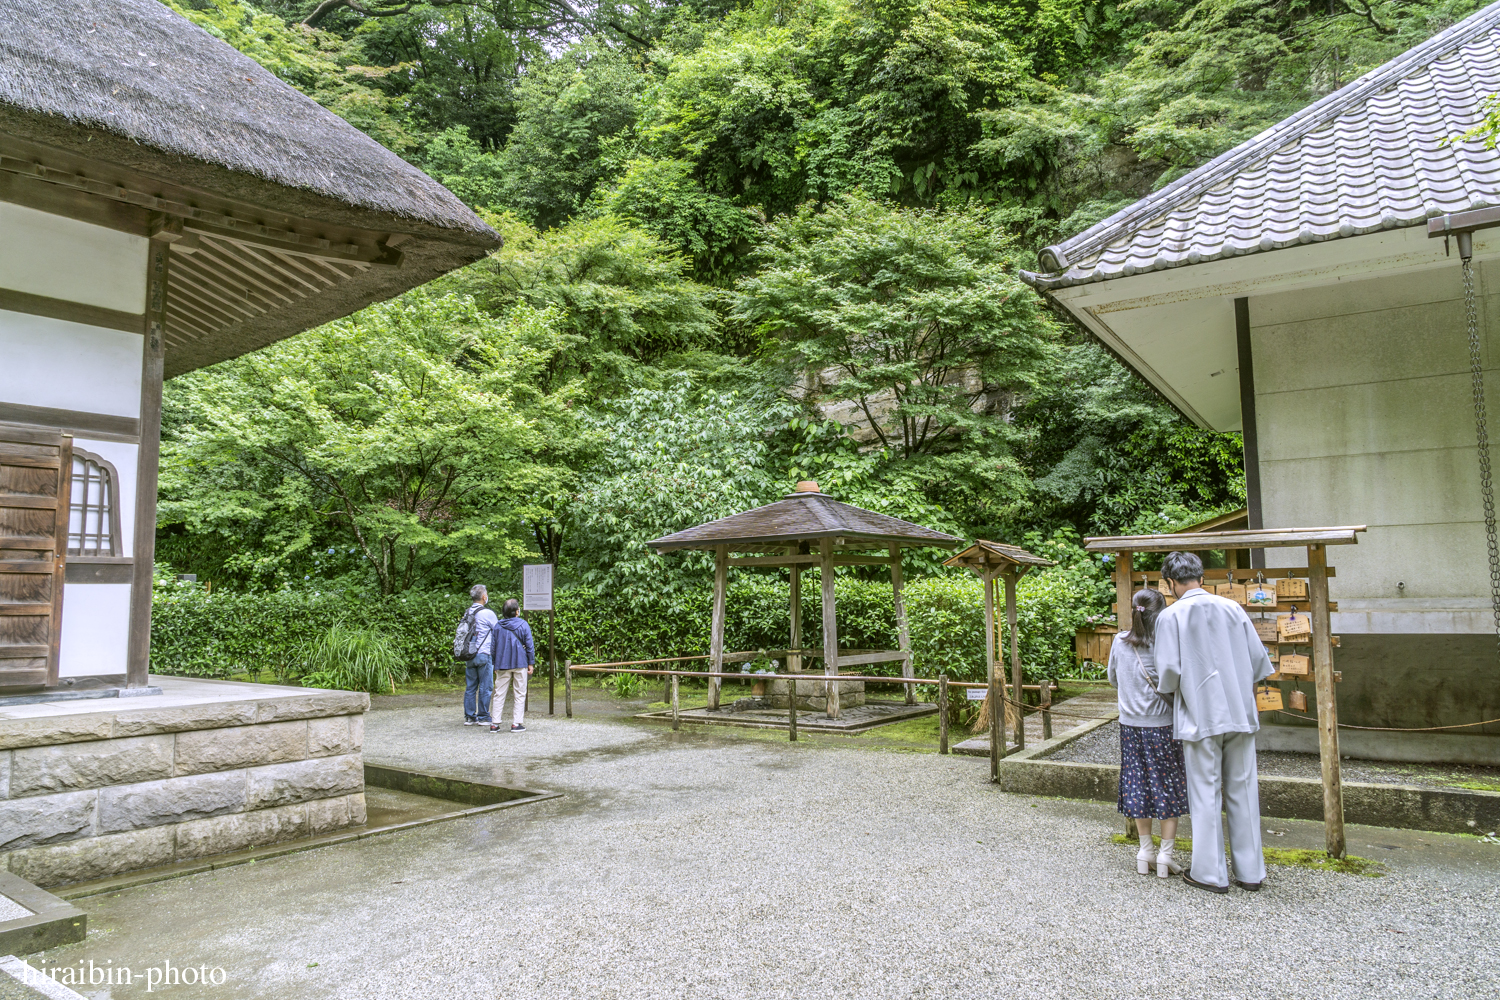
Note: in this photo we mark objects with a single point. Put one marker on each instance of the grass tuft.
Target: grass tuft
(1290, 857)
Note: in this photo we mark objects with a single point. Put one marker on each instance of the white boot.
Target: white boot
(1146, 856)
(1164, 864)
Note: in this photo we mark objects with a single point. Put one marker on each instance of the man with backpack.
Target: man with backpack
(473, 643)
(515, 659)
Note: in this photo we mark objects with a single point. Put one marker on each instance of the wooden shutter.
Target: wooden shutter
(36, 475)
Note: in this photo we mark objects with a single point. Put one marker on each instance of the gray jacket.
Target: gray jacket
(1208, 655)
(1133, 673)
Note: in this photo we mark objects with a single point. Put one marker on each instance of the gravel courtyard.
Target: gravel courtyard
(731, 864)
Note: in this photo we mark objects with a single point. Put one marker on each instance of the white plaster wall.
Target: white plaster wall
(1364, 416)
(123, 456)
(95, 629)
(69, 366)
(62, 258)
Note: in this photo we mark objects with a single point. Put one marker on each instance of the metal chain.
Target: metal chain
(1481, 432)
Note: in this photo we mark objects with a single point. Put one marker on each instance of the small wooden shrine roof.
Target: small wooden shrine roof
(802, 516)
(1235, 520)
(983, 554)
(1260, 538)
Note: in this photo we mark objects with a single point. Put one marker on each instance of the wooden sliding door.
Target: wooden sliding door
(36, 473)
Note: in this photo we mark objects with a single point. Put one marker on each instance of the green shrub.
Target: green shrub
(348, 658)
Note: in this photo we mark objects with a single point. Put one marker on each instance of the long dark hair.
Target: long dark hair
(1144, 607)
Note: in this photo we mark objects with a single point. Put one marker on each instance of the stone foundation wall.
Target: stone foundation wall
(91, 795)
(813, 695)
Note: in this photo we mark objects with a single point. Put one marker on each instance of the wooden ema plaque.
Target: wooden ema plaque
(1267, 699)
(1293, 665)
(1293, 626)
(1298, 701)
(1265, 628)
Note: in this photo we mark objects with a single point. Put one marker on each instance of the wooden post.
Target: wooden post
(830, 625)
(568, 687)
(791, 712)
(1124, 592)
(551, 661)
(1012, 574)
(1046, 701)
(716, 634)
(1328, 716)
(675, 722)
(903, 631)
(148, 455)
(992, 676)
(943, 712)
(794, 655)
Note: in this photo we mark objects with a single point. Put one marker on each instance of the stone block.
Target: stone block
(319, 778)
(154, 803)
(331, 815)
(46, 819)
(4, 774)
(326, 737)
(183, 718)
(95, 857)
(53, 729)
(812, 695)
(205, 750)
(312, 705)
(357, 814)
(357, 730)
(222, 834)
(71, 766)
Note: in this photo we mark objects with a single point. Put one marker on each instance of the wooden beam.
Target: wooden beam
(830, 625)
(153, 366)
(1011, 576)
(716, 629)
(72, 312)
(885, 656)
(903, 631)
(97, 426)
(992, 676)
(1328, 718)
(1266, 538)
(788, 560)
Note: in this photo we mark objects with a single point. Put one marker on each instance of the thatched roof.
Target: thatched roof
(803, 516)
(128, 94)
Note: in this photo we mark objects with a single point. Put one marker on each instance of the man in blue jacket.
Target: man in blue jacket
(515, 659)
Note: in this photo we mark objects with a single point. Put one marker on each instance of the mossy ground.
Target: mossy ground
(1291, 858)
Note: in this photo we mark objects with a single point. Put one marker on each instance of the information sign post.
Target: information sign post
(536, 595)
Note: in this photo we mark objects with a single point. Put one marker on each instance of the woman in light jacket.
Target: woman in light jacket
(1153, 781)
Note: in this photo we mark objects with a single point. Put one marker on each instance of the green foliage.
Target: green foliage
(400, 437)
(349, 658)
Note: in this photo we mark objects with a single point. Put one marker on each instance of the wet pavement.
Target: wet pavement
(729, 863)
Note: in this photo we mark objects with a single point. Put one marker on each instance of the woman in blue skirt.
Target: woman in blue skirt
(1153, 782)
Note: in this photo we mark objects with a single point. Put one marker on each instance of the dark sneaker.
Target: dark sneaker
(1188, 878)
(494, 727)
(518, 728)
(470, 722)
(1248, 886)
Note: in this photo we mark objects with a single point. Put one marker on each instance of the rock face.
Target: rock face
(87, 795)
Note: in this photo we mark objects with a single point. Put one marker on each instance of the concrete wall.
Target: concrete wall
(1365, 416)
(88, 795)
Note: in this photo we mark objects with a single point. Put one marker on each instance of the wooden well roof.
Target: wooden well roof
(983, 554)
(803, 516)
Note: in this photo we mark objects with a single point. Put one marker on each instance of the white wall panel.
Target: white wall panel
(62, 258)
(69, 366)
(95, 627)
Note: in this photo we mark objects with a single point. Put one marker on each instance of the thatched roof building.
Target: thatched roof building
(282, 215)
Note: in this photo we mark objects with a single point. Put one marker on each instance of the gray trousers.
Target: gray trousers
(1221, 776)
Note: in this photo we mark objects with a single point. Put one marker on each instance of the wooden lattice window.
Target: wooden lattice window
(94, 513)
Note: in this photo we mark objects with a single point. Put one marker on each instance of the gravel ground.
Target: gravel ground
(1103, 747)
(726, 865)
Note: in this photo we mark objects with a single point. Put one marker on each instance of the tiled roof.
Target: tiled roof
(1368, 157)
(799, 517)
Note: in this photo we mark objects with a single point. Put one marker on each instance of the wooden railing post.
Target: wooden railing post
(943, 712)
(791, 712)
(675, 722)
(568, 687)
(1046, 705)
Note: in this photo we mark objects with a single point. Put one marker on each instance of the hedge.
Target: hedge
(220, 634)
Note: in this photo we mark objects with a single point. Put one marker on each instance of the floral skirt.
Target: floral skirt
(1153, 781)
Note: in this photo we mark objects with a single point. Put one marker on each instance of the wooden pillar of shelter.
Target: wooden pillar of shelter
(153, 365)
(794, 651)
(716, 633)
(1011, 575)
(903, 631)
(1124, 594)
(830, 624)
(1328, 718)
(992, 676)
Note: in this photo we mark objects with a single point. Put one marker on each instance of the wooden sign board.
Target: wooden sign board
(536, 587)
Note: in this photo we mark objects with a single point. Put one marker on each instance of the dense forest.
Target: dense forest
(746, 243)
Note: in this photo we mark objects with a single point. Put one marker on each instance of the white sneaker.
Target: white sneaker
(1165, 865)
(1145, 858)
